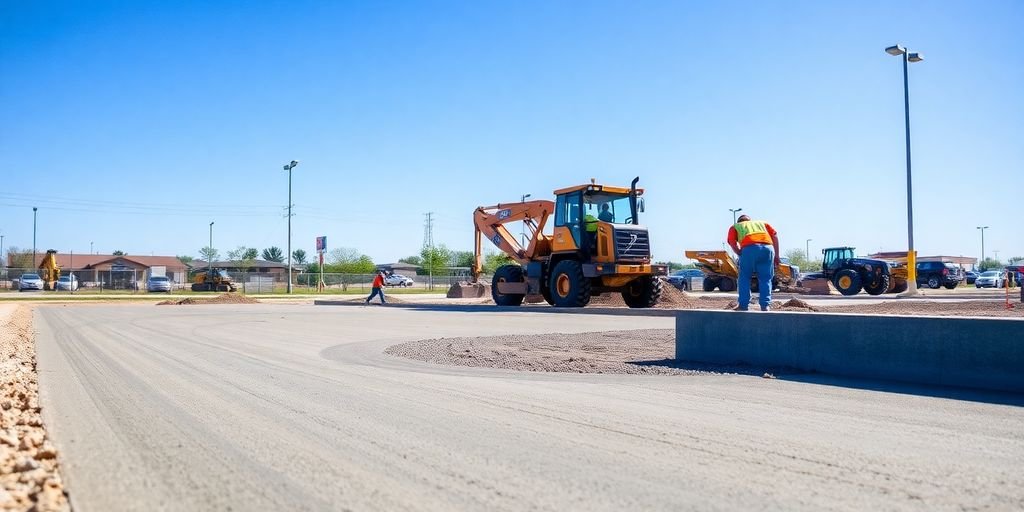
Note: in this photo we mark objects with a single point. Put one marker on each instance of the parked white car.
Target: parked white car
(992, 278)
(30, 282)
(398, 280)
(67, 283)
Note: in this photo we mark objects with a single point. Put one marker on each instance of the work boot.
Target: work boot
(766, 308)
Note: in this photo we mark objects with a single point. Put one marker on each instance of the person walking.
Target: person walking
(377, 288)
(757, 245)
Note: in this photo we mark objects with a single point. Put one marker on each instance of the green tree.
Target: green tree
(462, 258)
(273, 254)
(299, 257)
(209, 254)
(244, 257)
(411, 260)
(990, 264)
(799, 258)
(347, 260)
(119, 253)
(674, 265)
(1015, 260)
(436, 260)
(187, 260)
(19, 258)
(493, 260)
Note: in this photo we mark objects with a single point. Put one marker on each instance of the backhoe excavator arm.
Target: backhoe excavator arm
(490, 220)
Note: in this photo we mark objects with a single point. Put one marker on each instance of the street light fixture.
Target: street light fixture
(982, 228)
(907, 57)
(734, 213)
(522, 228)
(288, 167)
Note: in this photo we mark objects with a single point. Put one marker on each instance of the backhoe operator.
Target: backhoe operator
(757, 245)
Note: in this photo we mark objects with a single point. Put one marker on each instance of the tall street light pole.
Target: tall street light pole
(288, 167)
(982, 228)
(90, 247)
(34, 210)
(209, 255)
(907, 58)
(522, 229)
(734, 213)
(807, 249)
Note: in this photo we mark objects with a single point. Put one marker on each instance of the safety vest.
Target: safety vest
(757, 230)
(591, 223)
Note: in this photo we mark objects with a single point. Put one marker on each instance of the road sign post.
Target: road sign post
(321, 248)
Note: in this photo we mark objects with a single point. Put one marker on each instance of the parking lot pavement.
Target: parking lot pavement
(273, 407)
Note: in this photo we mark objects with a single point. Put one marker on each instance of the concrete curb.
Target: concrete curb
(486, 308)
(975, 352)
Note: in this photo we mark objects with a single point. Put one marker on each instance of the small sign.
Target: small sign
(321, 244)
(504, 214)
(496, 239)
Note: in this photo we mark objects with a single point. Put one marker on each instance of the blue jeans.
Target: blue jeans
(380, 291)
(760, 258)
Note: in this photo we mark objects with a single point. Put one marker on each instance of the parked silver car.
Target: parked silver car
(67, 283)
(158, 284)
(30, 282)
(992, 278)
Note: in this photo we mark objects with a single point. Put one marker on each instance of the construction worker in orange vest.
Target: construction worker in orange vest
(757, 245)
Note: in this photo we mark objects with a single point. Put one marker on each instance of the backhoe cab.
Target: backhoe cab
(596, 246)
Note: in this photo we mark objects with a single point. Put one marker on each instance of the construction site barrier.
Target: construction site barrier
(973, 352)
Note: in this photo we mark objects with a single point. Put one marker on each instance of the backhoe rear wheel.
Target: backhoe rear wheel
(642, 292)
(847, 281)
(879, 286)
(507, 274)
(568, 286)
(727, 284)
(709, 284)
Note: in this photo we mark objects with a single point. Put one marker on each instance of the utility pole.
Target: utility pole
(807, 249)
(428, 243)
(34, 210)
(982, 228)
(90, 247)
(288, 167)
(209, 256)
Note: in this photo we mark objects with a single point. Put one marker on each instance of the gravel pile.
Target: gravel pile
(227, 298)
(646, 351)
(29, 471)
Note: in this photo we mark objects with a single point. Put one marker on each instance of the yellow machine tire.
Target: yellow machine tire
(568, 287)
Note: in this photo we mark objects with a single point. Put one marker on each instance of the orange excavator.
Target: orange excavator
(597, 246)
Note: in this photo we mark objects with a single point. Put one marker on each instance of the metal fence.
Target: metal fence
(247, 282)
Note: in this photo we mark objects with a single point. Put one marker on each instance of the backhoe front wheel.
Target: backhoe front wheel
(642, 292)
(879, 286)
(568, 286)
(507, 274)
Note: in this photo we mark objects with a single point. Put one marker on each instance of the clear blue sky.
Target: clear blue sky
(134, 124)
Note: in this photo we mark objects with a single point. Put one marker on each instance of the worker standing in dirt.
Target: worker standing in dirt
(757, 245)
(377, 288)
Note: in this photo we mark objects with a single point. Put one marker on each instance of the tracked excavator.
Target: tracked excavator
(597, 246)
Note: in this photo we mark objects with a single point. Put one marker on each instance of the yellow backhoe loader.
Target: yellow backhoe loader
(597, 246)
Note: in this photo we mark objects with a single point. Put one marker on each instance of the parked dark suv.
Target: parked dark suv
(937, 273)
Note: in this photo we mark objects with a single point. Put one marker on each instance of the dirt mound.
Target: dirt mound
(672, 298)
(795, 303)
(227, 298)
(469, 290)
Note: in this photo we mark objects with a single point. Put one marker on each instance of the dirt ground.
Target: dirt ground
(29, 470)
(635, 352)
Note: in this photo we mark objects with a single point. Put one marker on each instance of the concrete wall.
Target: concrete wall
(985, 353)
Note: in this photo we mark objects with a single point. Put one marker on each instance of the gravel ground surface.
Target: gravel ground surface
(29, 471)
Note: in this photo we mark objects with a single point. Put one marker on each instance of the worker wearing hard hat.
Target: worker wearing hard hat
(757, 245)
